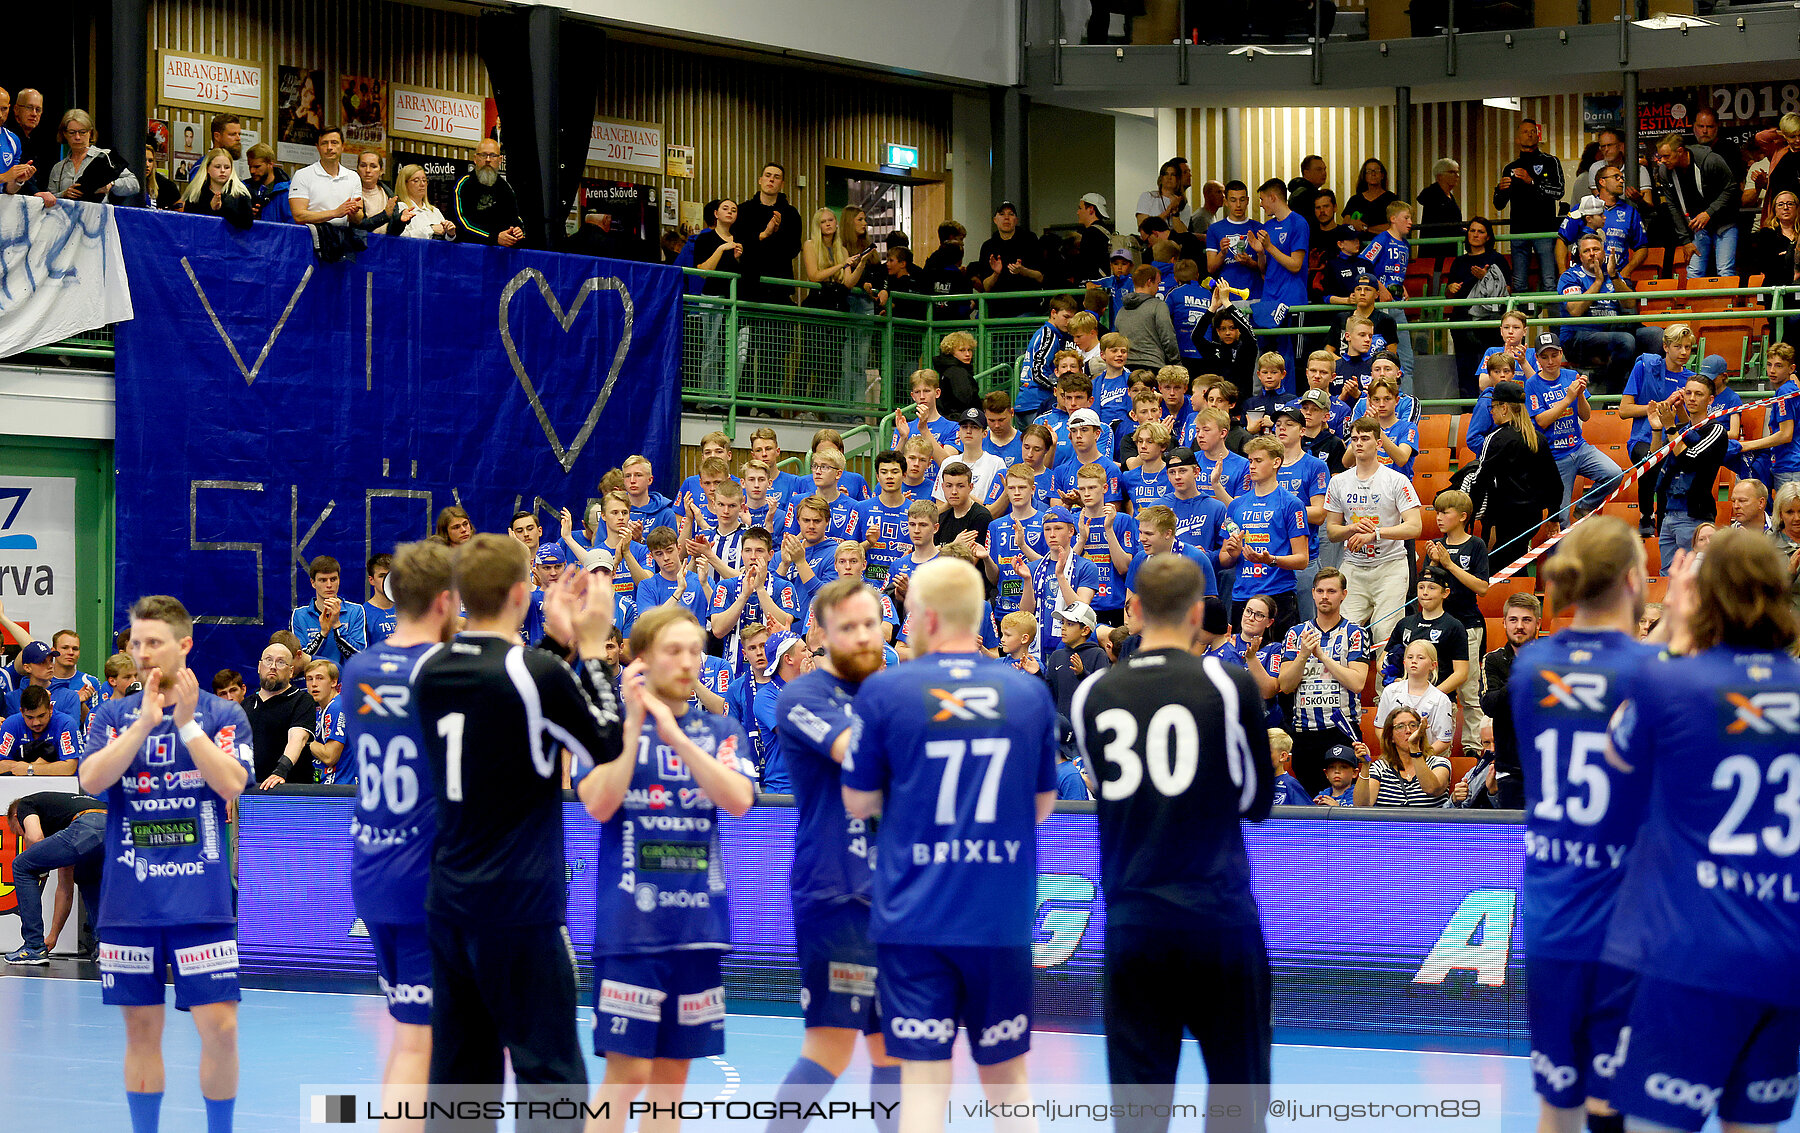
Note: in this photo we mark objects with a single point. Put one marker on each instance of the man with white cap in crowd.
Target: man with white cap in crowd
(1080, 657)
(1095, 219)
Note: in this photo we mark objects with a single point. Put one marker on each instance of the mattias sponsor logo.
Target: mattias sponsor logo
(123, 958)
(632, 1001)
(702, 1007)
(219, 956)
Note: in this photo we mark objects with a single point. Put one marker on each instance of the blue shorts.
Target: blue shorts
(403, 968)
(1690, 1053)
(1576, 1009)
(204, 959)
(926, 991)
(837, 969)
(660, 1005)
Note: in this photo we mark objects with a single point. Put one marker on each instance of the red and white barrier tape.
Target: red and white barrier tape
(1631, 476)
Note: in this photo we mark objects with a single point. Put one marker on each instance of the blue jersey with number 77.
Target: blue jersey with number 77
(961, 745)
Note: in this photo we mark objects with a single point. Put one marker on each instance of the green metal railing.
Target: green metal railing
(850, 367)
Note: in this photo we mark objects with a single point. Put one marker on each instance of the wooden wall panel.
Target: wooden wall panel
(735, 113)
(1270, 141)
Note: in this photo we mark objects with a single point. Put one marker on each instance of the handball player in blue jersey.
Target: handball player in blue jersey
(833, 861)
(1581, 818)
(1708, 915)
(169, 761)
(957, 753)
(396, 820)
(1179, 751)
(662, 923)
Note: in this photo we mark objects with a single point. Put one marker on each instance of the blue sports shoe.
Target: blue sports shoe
(28, 956)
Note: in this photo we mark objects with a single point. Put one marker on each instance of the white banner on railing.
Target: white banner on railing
(61, 272)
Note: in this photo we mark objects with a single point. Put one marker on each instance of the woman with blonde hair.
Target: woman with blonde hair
(77, 133)
(853, 237)
(1404, 774)
(218, 192)
(1517, 480)
(419, 218)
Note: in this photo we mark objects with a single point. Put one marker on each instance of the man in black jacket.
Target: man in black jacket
(1700, 198)
(1520, 619)
(770, 230)
(1687, 494)
(487, 209)
(1531, 185)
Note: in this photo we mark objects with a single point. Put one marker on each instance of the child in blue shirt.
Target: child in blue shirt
(1341, 765)
(1288, 791)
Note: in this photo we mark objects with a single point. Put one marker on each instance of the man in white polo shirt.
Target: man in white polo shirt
(325, 192)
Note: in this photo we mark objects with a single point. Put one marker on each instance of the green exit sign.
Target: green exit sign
(905, 157)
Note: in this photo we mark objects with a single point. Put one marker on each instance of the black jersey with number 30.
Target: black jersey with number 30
(496, 717)
(1180, 751)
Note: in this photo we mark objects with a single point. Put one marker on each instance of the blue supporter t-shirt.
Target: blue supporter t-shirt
(1786, 458)
(1048, 592)
(1388, 258)
(167, 860)
(1304, 479)
(833, 858)
(661, 875)
(380, 623)
(961, 746)
(1266, 523)
(395, 821)
(328, 727)
(1145, 489)
(61, 730)
(1187, 302)
(1111, 594)
(888, 524)
(1063, 477)
(1650, 381)
(1199, 522)
(1201, 559)
(1009, 453)
(1004, 551)
(656, 590)
(1289, 235)
(1543, 392)
(1230, 238)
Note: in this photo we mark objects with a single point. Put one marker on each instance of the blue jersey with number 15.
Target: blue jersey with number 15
(961, 745)
(395, 822)
(1581, 816)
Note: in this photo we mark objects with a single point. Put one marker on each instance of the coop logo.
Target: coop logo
(1766, 713)
(19, 541)
(978, 702)
(1583, 692)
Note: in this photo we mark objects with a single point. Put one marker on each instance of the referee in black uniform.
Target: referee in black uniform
(497, 717)
(1180, 751)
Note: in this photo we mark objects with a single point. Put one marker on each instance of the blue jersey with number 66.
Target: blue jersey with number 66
(396, 812)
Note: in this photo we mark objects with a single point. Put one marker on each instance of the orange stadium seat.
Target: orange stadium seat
(1494, 601)
(1434, 432)
(1605, 428)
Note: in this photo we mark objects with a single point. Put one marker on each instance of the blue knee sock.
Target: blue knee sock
(146, 1111)
(806, 1083)
(218, 1114)
(884, 1090)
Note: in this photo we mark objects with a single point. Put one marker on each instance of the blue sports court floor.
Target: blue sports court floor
(64, 1049)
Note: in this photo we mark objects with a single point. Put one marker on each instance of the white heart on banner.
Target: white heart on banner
(565, 456)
